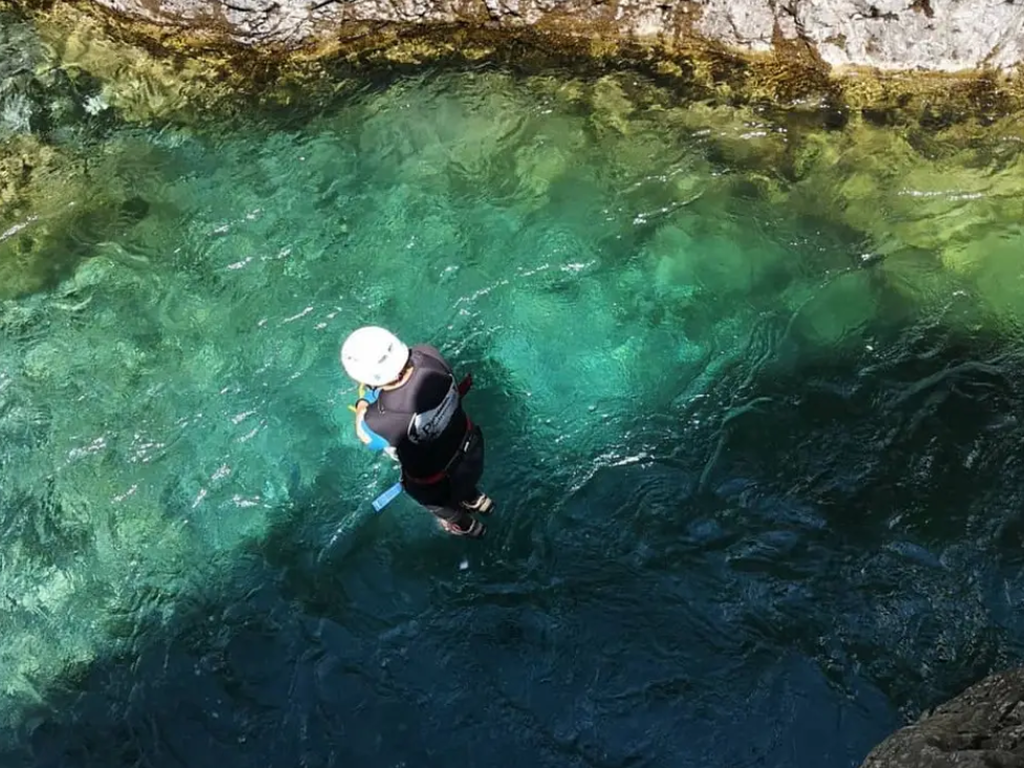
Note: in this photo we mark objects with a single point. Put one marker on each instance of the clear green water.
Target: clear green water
(758, 498)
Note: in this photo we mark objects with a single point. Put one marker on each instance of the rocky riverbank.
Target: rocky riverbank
(933, 56)
(943, 35)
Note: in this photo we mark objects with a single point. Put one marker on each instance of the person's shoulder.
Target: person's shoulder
(430, 351)
(431, 360)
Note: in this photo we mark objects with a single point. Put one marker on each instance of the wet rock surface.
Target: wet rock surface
(941, 35)
(983, 727)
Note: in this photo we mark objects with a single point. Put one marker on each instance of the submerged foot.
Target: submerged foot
(475, 531)
(482, 504)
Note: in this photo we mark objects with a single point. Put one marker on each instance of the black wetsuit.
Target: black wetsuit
(424, 426)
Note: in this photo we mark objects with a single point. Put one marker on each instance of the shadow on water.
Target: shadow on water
(761, 590)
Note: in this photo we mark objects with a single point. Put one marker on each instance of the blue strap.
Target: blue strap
(386, 498)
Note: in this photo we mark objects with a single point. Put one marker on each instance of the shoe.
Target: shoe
(482, 504)
(475, 531)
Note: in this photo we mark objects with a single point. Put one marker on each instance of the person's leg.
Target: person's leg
(478, 502)
(439, 501)
(474, 528)
(457, 522)
(467, 476)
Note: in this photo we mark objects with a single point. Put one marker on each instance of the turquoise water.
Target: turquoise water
(758, 501)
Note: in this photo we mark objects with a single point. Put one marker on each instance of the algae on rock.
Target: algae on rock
(54, 201)
(185, 56)
(54, 209)
(957, 194)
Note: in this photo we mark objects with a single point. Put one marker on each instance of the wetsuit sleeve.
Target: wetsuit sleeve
(385, 430)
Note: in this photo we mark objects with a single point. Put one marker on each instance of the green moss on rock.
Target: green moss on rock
(918, 162)
(53, 212)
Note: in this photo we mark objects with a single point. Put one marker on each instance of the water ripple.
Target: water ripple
(758, 494)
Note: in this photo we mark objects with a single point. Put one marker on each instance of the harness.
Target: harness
(461, 451)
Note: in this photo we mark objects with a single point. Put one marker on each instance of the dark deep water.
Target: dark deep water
(759, 503)
(854, 554)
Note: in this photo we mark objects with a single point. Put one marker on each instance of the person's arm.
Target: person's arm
(359, 409)
(361, 433)
(374, 435)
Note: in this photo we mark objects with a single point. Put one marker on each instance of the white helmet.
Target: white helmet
(373, 356)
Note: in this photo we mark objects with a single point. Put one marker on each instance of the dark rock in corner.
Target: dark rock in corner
(983, 727)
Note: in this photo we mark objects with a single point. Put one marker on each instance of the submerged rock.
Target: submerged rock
(35, 97)
(983, 727)
(51, 209)
(55, 208)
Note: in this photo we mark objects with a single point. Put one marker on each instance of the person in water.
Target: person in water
(410, 407)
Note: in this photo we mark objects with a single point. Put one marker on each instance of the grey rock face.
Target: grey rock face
(929, 34)
(983, 727)
(946, 35)
(247, 21)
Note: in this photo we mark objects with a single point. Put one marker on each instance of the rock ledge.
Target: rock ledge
(983, 727)
(932, 35)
